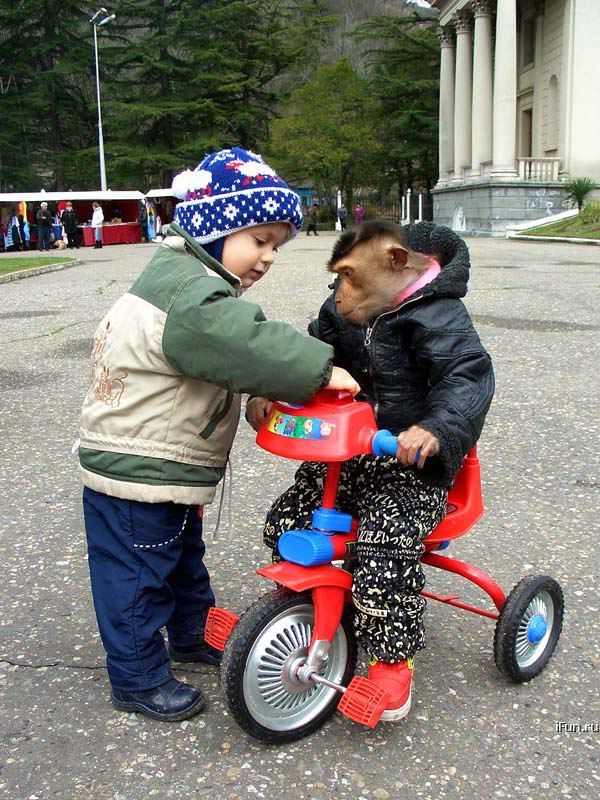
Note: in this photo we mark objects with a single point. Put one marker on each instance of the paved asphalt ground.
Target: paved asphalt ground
(471, 733)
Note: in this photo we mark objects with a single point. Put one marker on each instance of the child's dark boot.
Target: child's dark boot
(170, 702)
(201, 652)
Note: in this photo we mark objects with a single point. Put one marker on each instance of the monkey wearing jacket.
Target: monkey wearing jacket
(397, 323)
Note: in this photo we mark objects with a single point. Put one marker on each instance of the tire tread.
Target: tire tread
(236, 652)
(506, 631)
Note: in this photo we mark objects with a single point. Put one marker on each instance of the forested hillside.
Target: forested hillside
(341, 93)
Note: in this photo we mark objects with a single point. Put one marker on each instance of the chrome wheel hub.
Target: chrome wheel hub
(534, 630)
(273, 690)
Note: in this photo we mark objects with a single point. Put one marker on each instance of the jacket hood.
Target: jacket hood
(451, 253)
(191, 246)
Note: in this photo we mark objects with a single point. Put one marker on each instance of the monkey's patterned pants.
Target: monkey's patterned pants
(396, 511)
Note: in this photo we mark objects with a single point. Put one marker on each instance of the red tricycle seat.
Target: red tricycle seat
(465, 504)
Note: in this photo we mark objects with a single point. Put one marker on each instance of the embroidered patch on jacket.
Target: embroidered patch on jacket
(106, 388)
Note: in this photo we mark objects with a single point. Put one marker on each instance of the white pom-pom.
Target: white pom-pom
(182, 184)
(202, 178)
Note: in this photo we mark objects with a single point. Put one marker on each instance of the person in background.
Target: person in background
(311, 218)
(97, 220)
(15, 233)
(143, 220)
(70, 222)
(151, 222)
(43, 219)
(24, 227)
(359, 214)
(343, 216)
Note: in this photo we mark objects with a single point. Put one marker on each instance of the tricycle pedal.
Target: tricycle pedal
(219, 624)
(364, 701)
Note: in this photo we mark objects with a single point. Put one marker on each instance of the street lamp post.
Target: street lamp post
(96, 23)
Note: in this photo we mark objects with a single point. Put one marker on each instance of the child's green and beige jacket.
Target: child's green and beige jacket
(169, 362)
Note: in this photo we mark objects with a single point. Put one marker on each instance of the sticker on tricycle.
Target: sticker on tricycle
(296, 427)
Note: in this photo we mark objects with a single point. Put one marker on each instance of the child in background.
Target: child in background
(169, 362)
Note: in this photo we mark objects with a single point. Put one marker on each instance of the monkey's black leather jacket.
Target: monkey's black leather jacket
(421, 363)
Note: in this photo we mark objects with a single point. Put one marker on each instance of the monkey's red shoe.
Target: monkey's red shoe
(396, 680)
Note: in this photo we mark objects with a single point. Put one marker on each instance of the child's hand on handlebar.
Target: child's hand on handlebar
(257, 409)
(342, 381)
(415, 445)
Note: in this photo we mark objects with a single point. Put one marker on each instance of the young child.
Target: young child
(169, 362)
(397, 323)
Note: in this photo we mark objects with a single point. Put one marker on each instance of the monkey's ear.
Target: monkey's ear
(398, 256)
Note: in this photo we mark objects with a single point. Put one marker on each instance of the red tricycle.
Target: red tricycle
(289, 661)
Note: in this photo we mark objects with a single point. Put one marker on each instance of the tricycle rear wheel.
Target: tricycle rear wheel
(272, 635)
(528, 627)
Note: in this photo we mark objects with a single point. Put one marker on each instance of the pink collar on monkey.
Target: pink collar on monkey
(424, 278)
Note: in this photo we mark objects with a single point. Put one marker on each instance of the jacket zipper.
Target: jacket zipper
(369, 335)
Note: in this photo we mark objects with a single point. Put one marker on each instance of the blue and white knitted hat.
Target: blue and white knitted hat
(231, 190)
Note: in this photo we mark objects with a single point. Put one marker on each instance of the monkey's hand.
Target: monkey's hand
(342, 381)
(415, 441)
(257, 409)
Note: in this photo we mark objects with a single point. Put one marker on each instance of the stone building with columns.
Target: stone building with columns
(519, 109)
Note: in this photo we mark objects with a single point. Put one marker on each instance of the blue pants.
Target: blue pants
(43, 237)
(98, 235)
(147, 572)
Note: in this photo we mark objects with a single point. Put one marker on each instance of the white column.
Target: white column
(567, 90)
(505, 90)
(482, 83)
(463, 96)
(446, 103)
(538, 86)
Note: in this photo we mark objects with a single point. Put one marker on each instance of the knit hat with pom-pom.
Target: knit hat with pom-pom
(231, 190)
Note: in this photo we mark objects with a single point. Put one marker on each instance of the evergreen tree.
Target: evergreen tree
(178, 78)
(247, 55)
(404, 57)
(46, 94)
(190, 77)
(151, 107)
(329, 132)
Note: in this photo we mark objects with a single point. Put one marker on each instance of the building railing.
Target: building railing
(538, 169)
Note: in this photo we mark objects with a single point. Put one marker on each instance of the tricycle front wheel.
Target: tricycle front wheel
(257, 672)
(528, 627)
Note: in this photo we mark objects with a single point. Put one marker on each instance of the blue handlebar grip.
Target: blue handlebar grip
(384, 444)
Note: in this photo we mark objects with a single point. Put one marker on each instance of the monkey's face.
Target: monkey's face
(368, 281)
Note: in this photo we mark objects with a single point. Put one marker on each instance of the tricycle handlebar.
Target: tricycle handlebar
(384, 444)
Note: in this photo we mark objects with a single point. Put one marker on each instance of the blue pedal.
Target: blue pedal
(307, 548)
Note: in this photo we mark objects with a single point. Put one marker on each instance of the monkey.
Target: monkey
(374, 265)
(397, 324)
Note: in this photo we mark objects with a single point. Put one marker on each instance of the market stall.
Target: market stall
(120, 209)
(115, 233)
